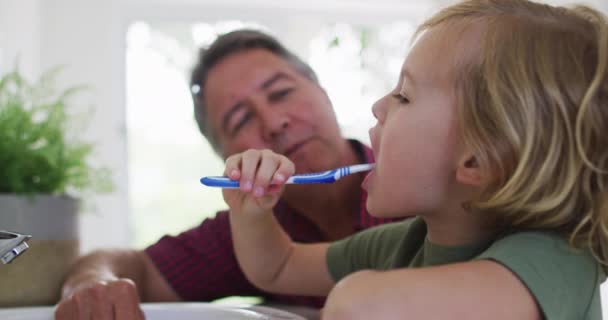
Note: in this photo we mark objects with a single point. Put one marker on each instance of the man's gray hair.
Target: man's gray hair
(223, 46)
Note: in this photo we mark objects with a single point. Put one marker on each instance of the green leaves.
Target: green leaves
(35, 154)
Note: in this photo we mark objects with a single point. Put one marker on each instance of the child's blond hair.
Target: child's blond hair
(534, 111)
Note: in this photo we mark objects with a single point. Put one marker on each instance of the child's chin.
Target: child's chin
(379, 212)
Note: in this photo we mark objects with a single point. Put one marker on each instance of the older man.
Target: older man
(249, 92)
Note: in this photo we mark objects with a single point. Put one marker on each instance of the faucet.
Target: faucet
(12, 245)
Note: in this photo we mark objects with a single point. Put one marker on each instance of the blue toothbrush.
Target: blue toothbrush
(307, 178)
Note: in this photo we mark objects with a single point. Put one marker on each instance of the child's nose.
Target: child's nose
(378, 108)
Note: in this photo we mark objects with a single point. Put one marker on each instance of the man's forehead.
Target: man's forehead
(257, 81)
(246, 69)
(252, 58)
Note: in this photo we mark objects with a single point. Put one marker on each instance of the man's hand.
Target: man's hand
(109, 284)
(112, 299)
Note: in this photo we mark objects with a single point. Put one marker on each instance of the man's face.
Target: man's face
(256, 99)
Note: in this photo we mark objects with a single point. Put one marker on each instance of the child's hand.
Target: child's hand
(262, 175)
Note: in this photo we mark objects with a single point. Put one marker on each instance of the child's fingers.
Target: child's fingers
(266, 170)
(285, 170)
(274, 189)
(232, 166)
(249, 165)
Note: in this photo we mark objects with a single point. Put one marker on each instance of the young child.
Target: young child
(496, 140)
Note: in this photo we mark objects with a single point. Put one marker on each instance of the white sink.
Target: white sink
(172, 311)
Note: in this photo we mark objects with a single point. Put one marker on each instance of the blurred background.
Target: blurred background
(135, 56)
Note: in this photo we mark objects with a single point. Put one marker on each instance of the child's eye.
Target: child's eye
(401, 98)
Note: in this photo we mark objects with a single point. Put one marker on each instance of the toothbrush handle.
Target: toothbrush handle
(225, 182)
(220, 182)
(308, 178)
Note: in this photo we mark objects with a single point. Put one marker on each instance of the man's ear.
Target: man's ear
(468, 171)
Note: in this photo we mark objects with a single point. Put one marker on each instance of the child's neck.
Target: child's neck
(458, 228)
(331, 207)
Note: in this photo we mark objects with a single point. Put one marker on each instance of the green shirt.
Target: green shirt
(564, 282)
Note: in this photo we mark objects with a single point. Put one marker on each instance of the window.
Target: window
(356, 64)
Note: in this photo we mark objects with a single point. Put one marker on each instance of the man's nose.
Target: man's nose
(274, 123)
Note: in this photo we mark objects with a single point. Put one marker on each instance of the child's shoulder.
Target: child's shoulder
(532, 241)
(559, 276)
(539, 247)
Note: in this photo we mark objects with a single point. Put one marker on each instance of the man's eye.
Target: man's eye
(278, 95)
(240, 122)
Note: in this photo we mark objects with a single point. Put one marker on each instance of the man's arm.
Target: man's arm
(112, 282)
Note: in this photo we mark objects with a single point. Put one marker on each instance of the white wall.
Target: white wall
(87, 37)
(20, 35)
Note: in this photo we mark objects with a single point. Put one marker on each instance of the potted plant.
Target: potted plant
(44, 172)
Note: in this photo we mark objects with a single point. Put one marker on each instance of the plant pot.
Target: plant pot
(35, 277)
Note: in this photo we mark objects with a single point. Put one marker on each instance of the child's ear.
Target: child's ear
(468, 171)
